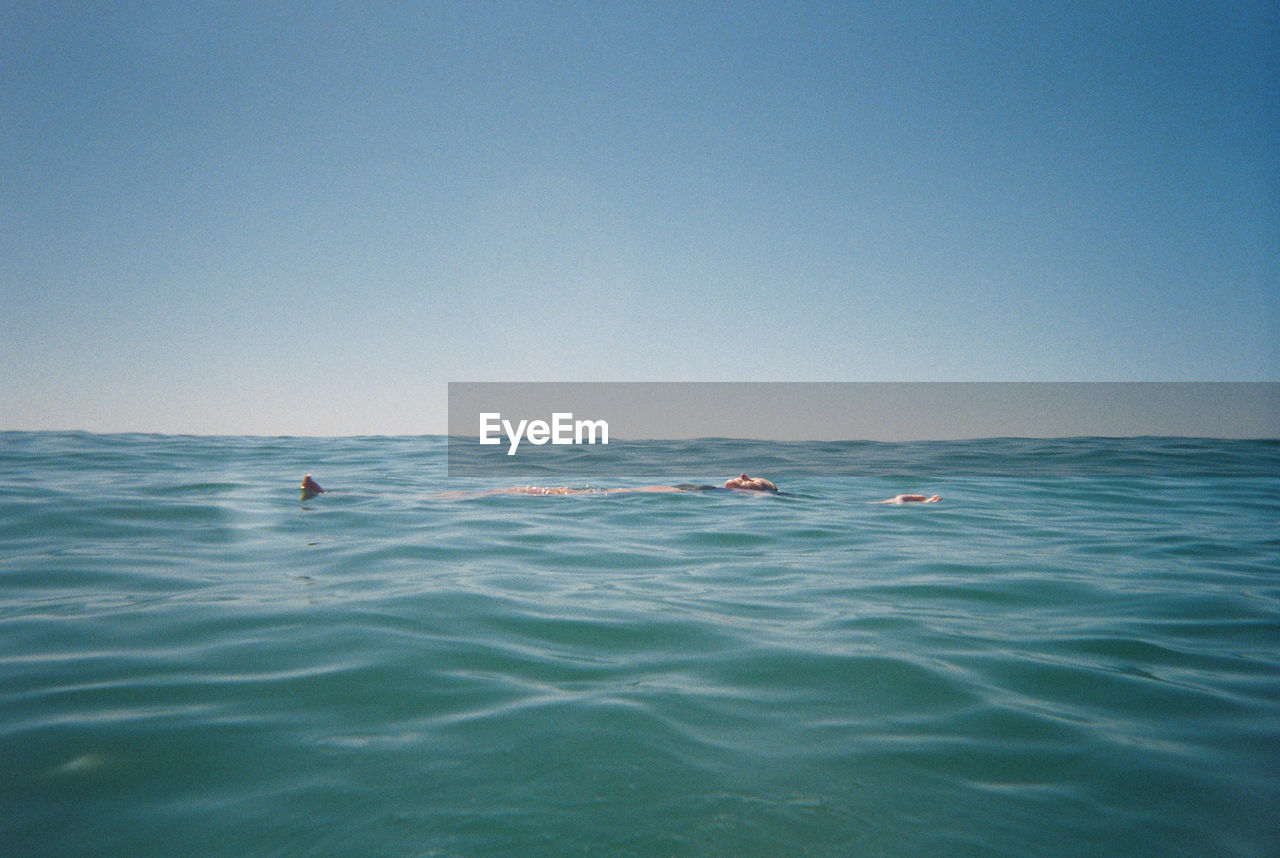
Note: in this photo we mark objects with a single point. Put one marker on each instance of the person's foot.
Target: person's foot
(310, 488)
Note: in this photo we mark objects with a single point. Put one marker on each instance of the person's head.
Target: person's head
(751, 484)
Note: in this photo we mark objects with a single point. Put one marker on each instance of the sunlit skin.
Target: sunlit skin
(743, 483)
(310, 488)
(912, 499)
(750, 484)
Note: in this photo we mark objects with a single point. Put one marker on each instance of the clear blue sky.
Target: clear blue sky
(307, 218)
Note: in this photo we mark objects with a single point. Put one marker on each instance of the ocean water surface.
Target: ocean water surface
(1077, 652)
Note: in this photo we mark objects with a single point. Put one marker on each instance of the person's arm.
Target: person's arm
(897, 499)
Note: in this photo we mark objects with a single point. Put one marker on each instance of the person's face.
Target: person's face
(754, 484)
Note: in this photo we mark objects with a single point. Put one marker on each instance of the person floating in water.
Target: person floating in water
(310, 488)
(742, 483)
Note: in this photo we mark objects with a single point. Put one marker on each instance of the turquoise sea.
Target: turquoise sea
(1077, 652)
